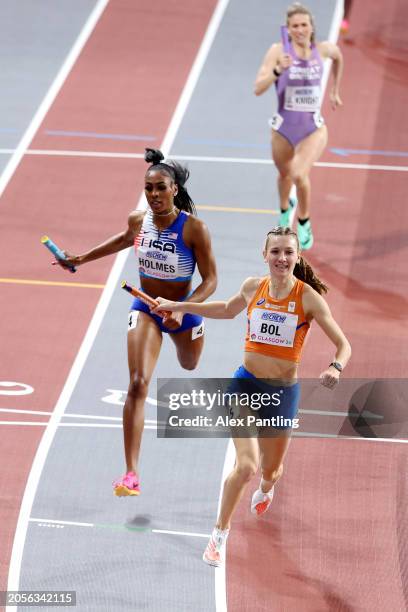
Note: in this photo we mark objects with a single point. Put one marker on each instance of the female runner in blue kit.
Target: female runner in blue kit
(169, 241)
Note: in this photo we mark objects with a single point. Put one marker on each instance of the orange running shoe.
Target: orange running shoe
(127, 485)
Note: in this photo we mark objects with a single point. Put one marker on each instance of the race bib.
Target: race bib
(276, 328)
(318, 119)
(304, 99)
(276, 121)
(159, 264)
(133, 316)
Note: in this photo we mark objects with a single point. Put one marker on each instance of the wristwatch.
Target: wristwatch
(276, 72)
(337, 365)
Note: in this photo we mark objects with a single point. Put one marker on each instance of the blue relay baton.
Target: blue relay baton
(285, 38)
(51, 246)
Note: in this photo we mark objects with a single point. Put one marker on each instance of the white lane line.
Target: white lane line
(112, 283)
(14, 411)
(361, 166)
(30, 423)
(45, 522)
(182, 533)
(325, 413)
(68, 153)
(103, 425)
(309, 434)
(254, 160)
(366, 414)
(300, 434)
(52, 93)
(54, 522)
(206, 159)
(333, 36)
(70, 415)
(220, 580)
(46, 423)
(73, 415)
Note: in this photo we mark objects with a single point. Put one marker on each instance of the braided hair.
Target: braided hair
(178, 173)
(303, 271)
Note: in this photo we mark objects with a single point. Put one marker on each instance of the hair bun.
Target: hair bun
(153, 156)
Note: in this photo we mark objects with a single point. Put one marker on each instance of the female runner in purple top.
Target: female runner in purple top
(299, 134)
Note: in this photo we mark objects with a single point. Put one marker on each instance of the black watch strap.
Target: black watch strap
(337, 366)
(276, 73)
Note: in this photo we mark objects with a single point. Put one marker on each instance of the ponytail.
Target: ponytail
(178, 173)
(303, 271)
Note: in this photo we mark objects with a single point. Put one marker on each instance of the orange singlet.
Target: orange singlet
(276, 328)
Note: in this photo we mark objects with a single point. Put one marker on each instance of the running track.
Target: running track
(349, 258)
(146, 70)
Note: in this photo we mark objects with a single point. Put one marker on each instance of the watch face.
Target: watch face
(337, 365)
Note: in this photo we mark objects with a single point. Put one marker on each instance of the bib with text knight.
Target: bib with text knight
(269, 327)
(304, 99)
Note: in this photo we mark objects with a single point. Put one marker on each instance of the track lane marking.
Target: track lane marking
(100, 311)
(235, 209)
(67, 414)
(201, 158)
(51, 94)
(45, 423)
(50, 522)
(297, 434)
(27, 281)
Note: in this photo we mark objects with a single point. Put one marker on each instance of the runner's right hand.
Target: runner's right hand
(69, 261)
(284, 61)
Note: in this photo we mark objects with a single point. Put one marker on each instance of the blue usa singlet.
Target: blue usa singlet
(163, 254)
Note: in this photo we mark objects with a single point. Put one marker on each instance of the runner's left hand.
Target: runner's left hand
(335, 100)
(164, 305)
(330, 378)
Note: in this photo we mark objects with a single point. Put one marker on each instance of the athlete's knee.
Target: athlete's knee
(188, 362)
(284, 173)
(272, 474)
(246, 469)
(138, 387)
(300, 177)
(189, 358)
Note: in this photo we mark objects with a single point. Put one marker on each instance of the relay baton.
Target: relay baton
(285, 38)
(146, 299)
(51, 246)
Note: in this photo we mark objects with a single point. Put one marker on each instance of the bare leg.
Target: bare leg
(144, 343)
(273, 451)
(307, 152)
(246, 465)
(282, 155)
(188, 350)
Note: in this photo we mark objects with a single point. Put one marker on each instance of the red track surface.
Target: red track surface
(127, 80)
(334, 539)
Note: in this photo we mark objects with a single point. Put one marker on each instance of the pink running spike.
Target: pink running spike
(127, 485)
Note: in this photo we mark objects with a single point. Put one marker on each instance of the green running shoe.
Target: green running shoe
(286, 217)
(305, 235)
